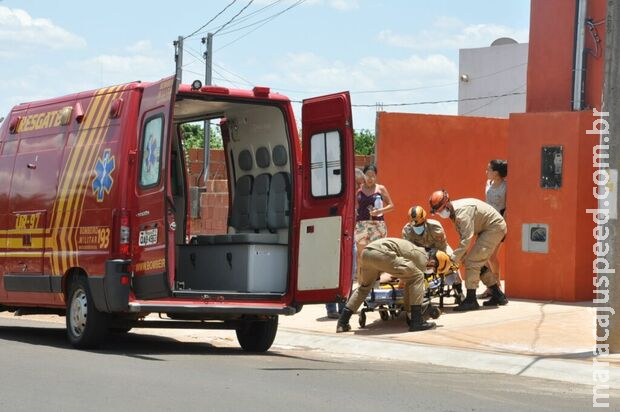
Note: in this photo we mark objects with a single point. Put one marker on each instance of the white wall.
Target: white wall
(493, 71)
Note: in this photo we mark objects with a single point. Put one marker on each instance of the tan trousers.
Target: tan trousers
(483, 249)
(373, 263)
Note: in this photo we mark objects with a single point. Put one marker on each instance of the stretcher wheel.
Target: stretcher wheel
(434, 312)
(394, 313)
(457, 299)
(362, 319)
(384, 315)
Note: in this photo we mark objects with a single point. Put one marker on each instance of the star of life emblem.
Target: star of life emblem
(102, 184)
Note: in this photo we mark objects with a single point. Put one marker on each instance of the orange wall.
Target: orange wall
(550, 60)
(565, 273)
(418, 154)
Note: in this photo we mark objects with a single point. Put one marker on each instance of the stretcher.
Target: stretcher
(388, 298)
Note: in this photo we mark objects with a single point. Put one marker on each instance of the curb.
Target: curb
(542, 367)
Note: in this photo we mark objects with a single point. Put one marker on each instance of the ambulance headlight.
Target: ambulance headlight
(196, 85)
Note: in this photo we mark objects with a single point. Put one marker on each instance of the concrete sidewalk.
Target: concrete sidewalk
(531, 338)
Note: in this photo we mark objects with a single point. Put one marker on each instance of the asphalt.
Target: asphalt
(542, 339)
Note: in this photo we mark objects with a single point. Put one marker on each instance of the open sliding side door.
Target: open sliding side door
(152, 221)
(326, 217)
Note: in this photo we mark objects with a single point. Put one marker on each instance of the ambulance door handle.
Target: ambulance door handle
(31, 166)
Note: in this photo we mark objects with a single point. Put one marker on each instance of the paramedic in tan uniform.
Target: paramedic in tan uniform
(429, 234)
(473, 218)
(404, 260)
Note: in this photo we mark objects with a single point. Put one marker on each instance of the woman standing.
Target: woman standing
(372, 201)
(497, 171)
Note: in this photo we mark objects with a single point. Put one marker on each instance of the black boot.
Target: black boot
(343, 321)
(459, 296)
(470, 302)
(417, 323)
(498, 298)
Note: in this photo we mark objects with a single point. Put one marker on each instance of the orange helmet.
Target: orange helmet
(438, 200)
(444, 263)
(417, 215)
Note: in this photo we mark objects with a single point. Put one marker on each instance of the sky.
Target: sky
(392, 53)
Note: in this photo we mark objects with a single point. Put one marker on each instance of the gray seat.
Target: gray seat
(278, 207)
(258, 202)
(240, 213)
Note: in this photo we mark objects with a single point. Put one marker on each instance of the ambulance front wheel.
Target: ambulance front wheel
(257, 335)
(86, 326)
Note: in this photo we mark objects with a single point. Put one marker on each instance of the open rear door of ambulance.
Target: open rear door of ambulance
(152, 223)
(326, 216)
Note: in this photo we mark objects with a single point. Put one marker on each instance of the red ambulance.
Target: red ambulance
(95, 205)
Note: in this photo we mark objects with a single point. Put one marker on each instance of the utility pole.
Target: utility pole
(207, 125)
(178, 59)
(611, 104)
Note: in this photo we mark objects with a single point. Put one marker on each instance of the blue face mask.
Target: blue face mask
(418, 229)
(444, 213)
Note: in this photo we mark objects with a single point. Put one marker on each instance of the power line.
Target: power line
(233, 18)
(273, 16)
(432, 101)
(216, 78)
(249, 15)
(199, 59)
(236, 75)
(436, 86)
(499, 71)
(227, 79)
(207, 23)
(491, 102)
(265, 22)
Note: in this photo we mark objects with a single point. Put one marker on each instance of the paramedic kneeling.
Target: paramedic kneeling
(473, 218)
(402, 259)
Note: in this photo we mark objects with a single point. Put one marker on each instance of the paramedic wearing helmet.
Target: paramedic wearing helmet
(473, 217)
(404, 260)
(429, 234)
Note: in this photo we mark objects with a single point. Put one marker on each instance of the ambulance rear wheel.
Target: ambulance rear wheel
(86, 326)
(257, 335)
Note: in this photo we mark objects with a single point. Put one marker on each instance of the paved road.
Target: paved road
(158, 372)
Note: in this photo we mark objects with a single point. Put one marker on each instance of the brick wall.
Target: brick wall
(214, 201)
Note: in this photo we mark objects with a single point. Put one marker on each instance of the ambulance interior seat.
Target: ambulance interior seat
(240, 213)
(248, 216)
(260, 192)
(278, 208)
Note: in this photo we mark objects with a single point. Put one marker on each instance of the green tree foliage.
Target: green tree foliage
(364, 142)
(194, 136)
